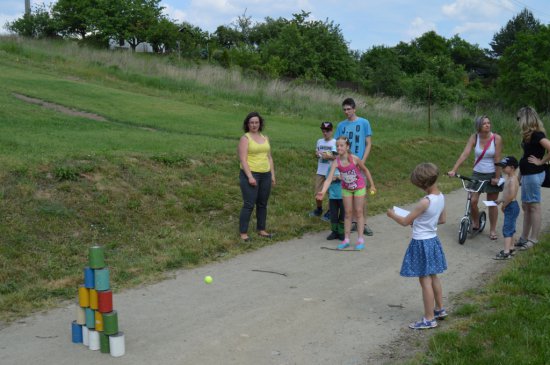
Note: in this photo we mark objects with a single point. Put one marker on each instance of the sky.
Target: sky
(364, 23)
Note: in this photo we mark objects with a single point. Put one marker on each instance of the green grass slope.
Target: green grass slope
(157, 182)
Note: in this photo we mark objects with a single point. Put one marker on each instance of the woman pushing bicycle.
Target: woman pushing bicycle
(487, 148)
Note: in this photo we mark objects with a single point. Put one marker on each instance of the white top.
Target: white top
(322, 146)
(487, 164)
(425, 225)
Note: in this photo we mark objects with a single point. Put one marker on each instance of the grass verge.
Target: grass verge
(505, 322)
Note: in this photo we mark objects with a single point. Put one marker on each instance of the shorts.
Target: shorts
(319, 181)
(487, 188)
(530, 187)
(511, 213)
(360, 192)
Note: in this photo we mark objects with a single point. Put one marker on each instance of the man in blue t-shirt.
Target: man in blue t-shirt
(358, 132)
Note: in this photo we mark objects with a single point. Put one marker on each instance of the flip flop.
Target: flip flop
(493, 237)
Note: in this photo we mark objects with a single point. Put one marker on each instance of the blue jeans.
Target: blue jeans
(511, 213)
(254, 196)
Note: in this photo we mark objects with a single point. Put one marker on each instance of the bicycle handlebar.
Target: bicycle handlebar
(467, 178)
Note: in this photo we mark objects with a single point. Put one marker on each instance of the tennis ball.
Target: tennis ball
(372, 192)
(208, 279)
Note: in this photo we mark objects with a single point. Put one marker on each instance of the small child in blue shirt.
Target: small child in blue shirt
(336, 207)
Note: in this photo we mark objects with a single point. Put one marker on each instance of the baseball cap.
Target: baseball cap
(326, 125)
(508, 161)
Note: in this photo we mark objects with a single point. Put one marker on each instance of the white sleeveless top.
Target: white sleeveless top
(487, 164)
(425, 225)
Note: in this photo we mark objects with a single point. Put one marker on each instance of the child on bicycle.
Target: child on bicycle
(510, 206)
(424, 257)
(354, 189)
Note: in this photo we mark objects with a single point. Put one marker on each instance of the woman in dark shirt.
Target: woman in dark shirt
(535, 144)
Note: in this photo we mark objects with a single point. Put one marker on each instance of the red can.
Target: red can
(105, 301)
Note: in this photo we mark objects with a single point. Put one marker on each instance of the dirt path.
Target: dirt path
(331, 307)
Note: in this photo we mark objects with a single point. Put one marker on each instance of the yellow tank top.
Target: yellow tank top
(257, 155)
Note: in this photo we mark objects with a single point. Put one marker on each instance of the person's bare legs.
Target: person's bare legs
(536, 216)
(438, 292)
(493, 215)
(526, 220)
(427, 296)
(348, 209)
(358, 204)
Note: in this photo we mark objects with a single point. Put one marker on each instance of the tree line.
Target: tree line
(515, 71)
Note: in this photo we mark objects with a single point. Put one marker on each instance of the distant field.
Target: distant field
(156, 183)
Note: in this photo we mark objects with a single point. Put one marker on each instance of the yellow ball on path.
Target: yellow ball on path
(208, 279)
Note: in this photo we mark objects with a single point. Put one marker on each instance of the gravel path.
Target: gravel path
(330, 307)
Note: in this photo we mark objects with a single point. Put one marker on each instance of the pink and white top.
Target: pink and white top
(351, 176)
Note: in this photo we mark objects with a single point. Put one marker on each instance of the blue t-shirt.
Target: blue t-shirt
(356, 131)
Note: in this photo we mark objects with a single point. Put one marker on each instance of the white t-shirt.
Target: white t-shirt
(323, 146)
(425, 225)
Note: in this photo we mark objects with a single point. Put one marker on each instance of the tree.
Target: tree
(525, 70)
(505, 37)
(72, 17)
(380, 67)
(128, 20)
(37, 24)
(163, 35)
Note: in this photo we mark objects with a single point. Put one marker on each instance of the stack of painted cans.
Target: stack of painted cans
(96, 324)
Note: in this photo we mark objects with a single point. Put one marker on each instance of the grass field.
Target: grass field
(506, 322)
(157, 182)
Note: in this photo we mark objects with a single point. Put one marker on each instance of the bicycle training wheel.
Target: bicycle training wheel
(482, 221)
(463, 231)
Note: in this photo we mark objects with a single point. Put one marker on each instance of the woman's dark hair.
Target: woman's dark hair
(250, 116)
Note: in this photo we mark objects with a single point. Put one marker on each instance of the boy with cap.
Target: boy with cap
(510, 206)
(323, 151)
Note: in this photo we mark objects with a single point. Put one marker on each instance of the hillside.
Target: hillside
(155, 179)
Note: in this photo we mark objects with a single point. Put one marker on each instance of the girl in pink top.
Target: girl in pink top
(352, 170)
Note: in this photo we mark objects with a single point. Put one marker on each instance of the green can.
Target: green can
(110, 323)
(104, 347)
(96, 257)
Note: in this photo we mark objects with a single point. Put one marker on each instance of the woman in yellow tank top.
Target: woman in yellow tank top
(257, 175)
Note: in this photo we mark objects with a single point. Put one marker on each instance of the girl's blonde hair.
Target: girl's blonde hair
(345, 139)
(529, 122)
(424, 175)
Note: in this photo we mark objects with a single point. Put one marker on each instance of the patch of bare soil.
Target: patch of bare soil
(60, 108)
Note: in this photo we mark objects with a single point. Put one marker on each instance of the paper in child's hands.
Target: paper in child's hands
(400, 211)
(490, 203)
(501, 181)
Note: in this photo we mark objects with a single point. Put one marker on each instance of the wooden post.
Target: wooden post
(429, 108)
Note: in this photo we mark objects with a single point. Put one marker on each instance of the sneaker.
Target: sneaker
(316, 213)
(503, 256)
(360, 244)
(423, 324)
(344, 244)
(367, 231)
(333, 236)
(326, 216)
(440, 314)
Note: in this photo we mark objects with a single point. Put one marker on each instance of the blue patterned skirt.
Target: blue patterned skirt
(423, 258)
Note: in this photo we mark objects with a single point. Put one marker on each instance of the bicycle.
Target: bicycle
(466, 226)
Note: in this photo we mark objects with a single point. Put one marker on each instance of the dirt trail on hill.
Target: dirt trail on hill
(330, 307)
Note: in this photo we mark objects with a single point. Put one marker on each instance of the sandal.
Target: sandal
(268, 235)
(493, 237)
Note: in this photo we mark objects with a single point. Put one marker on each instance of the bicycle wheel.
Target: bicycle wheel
(463, 231)
(482, 221)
